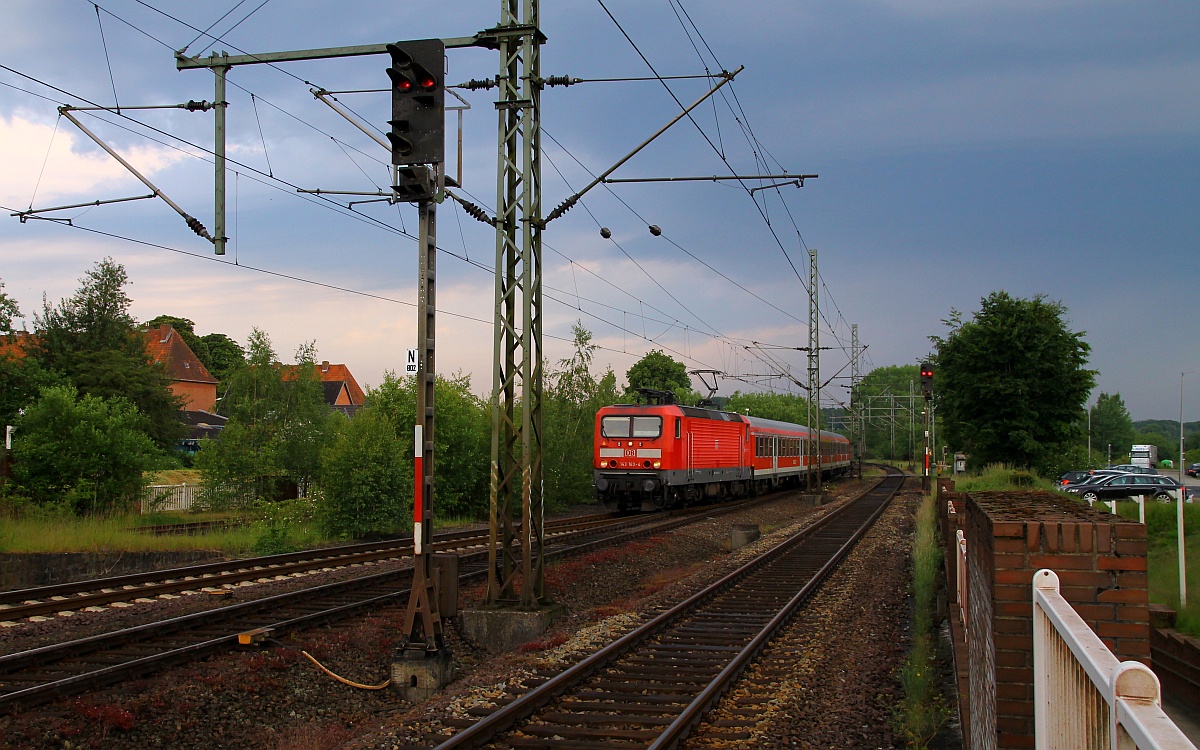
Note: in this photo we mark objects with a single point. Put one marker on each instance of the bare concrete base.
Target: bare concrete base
(417, 674)
(812, 501)
(503, 629)
(743, 534)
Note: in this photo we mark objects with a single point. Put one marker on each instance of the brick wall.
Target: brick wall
(1101, 562)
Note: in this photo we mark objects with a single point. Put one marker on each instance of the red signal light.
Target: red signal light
(428, 83)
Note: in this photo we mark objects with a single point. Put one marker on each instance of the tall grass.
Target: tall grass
(110, 534)
(1163, 561)
(922, 711)
(1000, 478)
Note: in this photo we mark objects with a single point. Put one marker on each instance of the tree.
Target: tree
(9, 311)
(572, 397)
(93, 340)
(461, 439)
(224, 355)
(1111, 424)
(364, 470)
(784, 407)
(271, 445)
(660, 372)
(81, 451)
(886, 396)
(1011, 383)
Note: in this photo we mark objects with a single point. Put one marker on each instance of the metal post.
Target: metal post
(516, 461)
(814, 377)
(1179, 506)
(219, 107)
(423, 622)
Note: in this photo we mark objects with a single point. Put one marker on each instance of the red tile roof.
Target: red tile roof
(166, 346)
(332, 374)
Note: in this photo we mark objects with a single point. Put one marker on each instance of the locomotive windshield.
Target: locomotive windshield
(637, 427)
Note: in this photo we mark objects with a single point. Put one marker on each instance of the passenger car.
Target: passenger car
(1121, 486)
(1193, 470)
(1073, 477)
(1134, 469)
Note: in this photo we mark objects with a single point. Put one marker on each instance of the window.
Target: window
(624, 427)
(647, 427)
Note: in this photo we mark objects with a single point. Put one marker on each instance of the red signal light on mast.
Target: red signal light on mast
(418, 102)
(926, 379)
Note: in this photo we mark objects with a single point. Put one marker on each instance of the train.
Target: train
(662, 454)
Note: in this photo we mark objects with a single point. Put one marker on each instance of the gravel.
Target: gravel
(273, 698)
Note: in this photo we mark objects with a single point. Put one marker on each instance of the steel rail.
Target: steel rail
(380, 589)
(44, 600)
(507, 717)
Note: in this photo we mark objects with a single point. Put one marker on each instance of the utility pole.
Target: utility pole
(515, 498)
(814, 377)
(856, 406)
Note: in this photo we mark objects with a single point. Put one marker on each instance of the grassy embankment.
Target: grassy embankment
(1161, 530)
(923, 710)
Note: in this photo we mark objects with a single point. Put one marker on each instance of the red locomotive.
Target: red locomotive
(663, 454)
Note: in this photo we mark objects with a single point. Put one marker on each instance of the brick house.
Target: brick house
(342, 392)
(190, 379)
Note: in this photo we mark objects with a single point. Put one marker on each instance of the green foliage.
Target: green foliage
(893, 417)
(81, 452)
(278, 425)
(572, 398)
(462, 439)
(922, 711)
(1011, 383)
(9, 311)
(282, 527)
(225, 355)
(1001, 478)
(93, 340)
(1111, 424)
(364, 487)
(659, 371)
(781, 406)
(23, 379)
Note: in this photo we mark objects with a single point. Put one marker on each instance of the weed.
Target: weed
(106, 715)
(543, 644)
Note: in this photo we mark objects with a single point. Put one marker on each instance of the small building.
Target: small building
(342, 391)
(190, 379)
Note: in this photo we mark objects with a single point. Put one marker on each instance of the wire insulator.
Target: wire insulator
(195, 106)
(475, 84)
(195, 225)
(561, 81)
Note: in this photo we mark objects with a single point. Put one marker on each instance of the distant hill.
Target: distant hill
(1168, 428)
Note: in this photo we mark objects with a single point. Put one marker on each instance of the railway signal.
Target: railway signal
(926, 379)
(418, 102)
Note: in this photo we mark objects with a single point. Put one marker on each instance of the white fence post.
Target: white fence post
(1083, 696)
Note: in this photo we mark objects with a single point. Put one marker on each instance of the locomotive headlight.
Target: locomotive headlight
(658, 464)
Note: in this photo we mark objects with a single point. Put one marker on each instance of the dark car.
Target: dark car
(1121, 486)
(1134, 469)
(1193, 470)
(1072, 477)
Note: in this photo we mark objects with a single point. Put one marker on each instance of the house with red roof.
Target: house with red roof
(190, 379)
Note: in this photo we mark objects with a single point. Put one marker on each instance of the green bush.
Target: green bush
(364, 490)
(82, 452)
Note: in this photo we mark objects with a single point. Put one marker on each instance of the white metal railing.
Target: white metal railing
(158, 497)
(1083, 696)
(960, 578)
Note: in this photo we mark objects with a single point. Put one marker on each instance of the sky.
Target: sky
(1039, 147)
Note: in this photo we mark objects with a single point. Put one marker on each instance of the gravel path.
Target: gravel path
(273, 698)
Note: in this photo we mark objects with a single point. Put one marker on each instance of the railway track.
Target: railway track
(223, 576)
(74, 666)
(650, 688)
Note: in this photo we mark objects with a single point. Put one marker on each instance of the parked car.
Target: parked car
(1193, 470)
(1134, 469)
(1072, 477)
(1122, 486)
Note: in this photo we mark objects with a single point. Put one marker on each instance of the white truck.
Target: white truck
(1144, 455)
